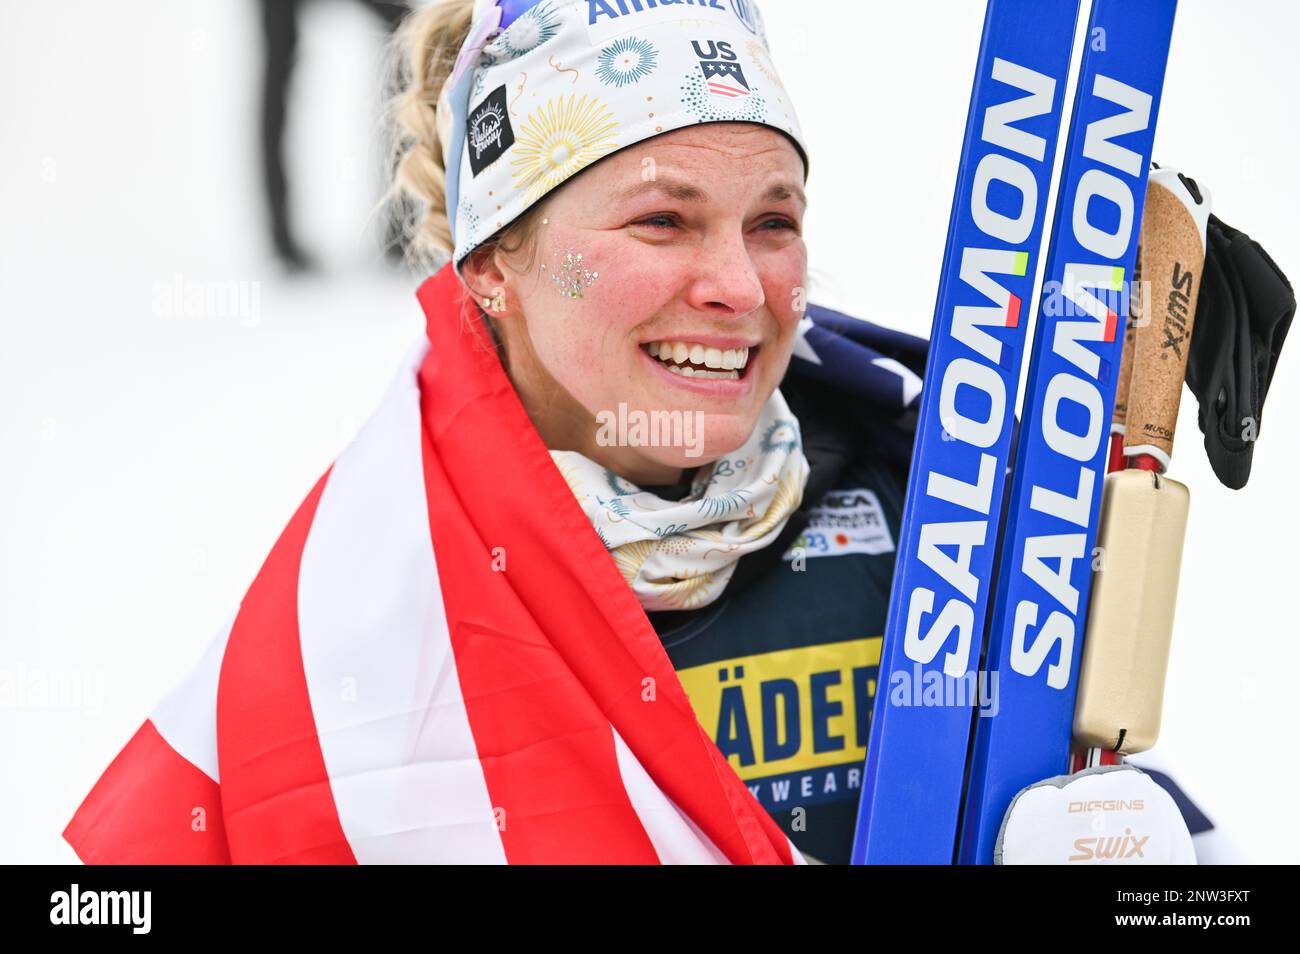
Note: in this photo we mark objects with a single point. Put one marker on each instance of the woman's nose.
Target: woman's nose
(727, 281)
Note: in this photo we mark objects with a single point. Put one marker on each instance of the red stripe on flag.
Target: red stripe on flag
(1013, 312)
(728, 90)
(546, 749)
(569, 590)
(278, 803)
(1112, 323)
(142, 810)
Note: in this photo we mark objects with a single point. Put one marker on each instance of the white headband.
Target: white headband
(543, 88)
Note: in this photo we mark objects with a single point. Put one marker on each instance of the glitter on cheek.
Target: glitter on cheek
(572, 278)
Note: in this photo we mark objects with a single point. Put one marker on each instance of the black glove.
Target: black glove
(1242, 315)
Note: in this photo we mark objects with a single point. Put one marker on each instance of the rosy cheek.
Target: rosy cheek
(622, 270)
(621, 294)
(579, 328)
(786, 291)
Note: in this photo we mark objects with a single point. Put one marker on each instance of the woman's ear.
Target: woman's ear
(483, 276)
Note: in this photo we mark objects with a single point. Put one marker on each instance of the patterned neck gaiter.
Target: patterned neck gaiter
(679, 554)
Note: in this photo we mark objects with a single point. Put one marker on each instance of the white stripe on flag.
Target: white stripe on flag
(187, 718)
(676, 838)
(795, 853)
(384, 690)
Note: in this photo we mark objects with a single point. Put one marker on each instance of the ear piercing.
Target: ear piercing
(497, 303)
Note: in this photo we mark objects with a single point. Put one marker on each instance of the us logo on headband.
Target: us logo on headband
(722, 72)
(490, 133)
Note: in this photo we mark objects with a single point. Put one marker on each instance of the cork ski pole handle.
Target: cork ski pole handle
(1173, 257)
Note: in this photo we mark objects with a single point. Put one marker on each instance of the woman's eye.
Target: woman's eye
(669, 222)
(658, 221)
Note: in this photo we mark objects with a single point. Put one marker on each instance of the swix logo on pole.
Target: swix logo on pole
(916, 755)
(1046, 558)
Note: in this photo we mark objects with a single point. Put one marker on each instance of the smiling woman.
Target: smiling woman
(696, 275)
(604, 577)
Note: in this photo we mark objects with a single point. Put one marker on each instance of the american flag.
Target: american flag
(725, 78)
(386, 694)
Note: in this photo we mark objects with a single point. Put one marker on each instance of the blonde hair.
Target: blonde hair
(422, 56)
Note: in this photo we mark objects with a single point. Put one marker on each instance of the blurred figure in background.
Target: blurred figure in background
(280, 32)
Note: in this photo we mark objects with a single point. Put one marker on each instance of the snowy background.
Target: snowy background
(152, 451)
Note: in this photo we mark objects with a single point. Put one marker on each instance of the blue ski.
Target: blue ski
(927, 690)
(1046, 559)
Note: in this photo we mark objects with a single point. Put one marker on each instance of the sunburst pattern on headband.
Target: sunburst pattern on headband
(531, 30)
(627, 60)
(560, 138)
(758, 53)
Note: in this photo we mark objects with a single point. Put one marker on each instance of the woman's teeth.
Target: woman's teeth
(699, 361)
